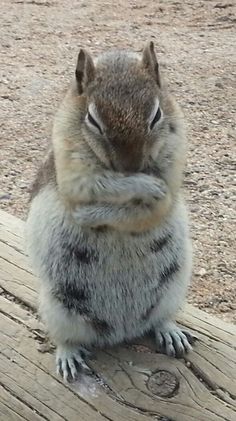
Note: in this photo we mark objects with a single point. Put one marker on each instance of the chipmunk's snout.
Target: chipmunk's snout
(129, 166)
(127, 158)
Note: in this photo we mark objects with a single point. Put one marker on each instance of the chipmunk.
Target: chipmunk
(107, 230)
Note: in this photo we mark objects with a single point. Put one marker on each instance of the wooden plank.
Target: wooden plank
(15, 272)
(131, 378)
(7, 413)
(126, 372)
(30, 375)
(16, 281)
(212, 326)
(11, 408)
(133, 386)
(27, 380)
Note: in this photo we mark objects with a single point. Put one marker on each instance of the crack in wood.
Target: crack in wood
(18, 267)
(197, 399)
(65, 385)
(24, 402)
(27, 371)
(13, 247)
(125, 403)
(12, 410)
(39, 335)
(207, 359)
(23, 304)
(220, 391)
(211, 386)
(199, 374)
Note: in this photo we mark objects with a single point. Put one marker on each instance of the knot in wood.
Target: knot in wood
(163, 384)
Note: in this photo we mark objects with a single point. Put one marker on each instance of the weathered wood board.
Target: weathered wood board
(129, 384)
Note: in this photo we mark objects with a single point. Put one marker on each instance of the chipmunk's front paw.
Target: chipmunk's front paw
(145, 187)
(157, 189)
(171, 340)
(160, 189)
(70, 362)
(83, 215)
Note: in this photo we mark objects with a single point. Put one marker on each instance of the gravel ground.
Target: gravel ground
(195, 42)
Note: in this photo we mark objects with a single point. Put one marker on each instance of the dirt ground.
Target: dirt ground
(195, 42)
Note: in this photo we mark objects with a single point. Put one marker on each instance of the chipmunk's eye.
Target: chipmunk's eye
(91, 121)
(156, 118)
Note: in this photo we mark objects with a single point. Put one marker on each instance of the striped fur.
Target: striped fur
(107, 230)
(107, 276)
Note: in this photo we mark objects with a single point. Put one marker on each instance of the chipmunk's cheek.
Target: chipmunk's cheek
(155, 149)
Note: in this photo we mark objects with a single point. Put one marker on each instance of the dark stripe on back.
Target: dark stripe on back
(73, 297)
(65, 263)
(168, 272)
(76, 300)
(101, 326)
(147, 313)
(158, 244)
(172, 128)
(79, 254)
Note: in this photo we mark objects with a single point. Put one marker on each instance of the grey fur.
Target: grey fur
(121, 281)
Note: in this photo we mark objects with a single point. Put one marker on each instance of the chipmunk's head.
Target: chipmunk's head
(125, 108)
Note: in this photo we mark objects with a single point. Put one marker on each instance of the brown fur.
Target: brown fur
(85, 70)
(46, 174)
(123, 91)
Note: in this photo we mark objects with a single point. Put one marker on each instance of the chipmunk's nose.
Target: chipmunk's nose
(131, 165)
(129, 161)
(127, 155)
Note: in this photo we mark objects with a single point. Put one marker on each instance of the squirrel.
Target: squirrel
(107, 230)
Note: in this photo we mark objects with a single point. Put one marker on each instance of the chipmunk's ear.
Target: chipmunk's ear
(149, 61)
(85, 70)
